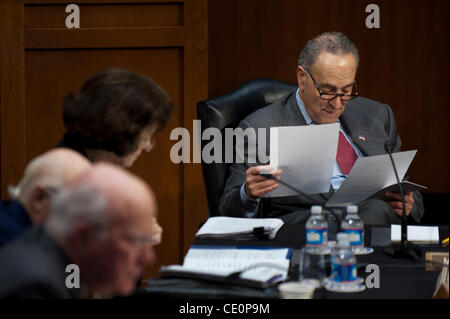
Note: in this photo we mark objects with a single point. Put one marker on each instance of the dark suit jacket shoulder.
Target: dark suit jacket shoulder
(14, 220)
(33, 266)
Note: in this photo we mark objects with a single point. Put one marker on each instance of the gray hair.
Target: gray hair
(72, 206)
(330, 42)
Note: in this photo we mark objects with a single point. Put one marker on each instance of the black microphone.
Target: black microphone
(299, 192)
(270, 176)
(405, 250)
(388, 147)
(404, 238)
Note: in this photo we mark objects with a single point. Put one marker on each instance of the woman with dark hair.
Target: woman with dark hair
(115, 116)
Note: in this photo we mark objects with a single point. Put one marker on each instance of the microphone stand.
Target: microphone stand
(299, 192)
(405, 250)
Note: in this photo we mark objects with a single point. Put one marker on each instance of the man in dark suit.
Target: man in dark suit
(327, 93)
(99, 237)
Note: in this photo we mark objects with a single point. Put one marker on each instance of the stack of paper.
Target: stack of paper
(265, 264)
(371, 174)
(417, 234)
(307, 157)
(240, 228)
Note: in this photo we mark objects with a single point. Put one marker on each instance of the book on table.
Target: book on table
(251, 266)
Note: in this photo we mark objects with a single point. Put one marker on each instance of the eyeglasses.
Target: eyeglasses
(331, 96)
(141, 240)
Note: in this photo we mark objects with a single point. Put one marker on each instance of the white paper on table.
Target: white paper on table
(425, 234)
(306, 155)
(370, 175)
(222, 226)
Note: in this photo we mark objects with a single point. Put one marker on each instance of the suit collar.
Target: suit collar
(294, 116)
(357, 127)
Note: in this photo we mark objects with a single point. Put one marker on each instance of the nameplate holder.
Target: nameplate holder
(441, 291)
(434, 260)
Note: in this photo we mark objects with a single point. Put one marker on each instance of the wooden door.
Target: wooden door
(42, 61)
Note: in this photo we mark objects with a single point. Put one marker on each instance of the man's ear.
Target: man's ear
(301, 75)
(38, 206)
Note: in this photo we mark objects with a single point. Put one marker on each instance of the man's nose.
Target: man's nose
(337, 102)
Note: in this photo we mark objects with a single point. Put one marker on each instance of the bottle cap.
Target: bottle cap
(316, 210)
(352, 209)
(343, 240)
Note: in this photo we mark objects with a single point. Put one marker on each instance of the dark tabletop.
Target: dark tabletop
(399, 278)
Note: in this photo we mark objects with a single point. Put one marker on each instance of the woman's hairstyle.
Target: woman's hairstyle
(112, 108)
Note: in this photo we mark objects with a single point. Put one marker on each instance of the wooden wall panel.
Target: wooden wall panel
(70, 68)
(403, 64)
(12, 94)
(44, 126)
(196, 84)
(166, 40)
(106, 16)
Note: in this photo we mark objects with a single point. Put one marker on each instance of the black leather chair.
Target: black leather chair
(228, 111)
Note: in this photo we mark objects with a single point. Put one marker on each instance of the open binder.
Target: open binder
(255, 267)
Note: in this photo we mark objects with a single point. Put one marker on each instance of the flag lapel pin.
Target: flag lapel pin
(362, 138)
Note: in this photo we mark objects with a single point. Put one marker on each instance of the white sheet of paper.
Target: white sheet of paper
(429, 234)
(370, 175)
(306, 156)
(223, 226)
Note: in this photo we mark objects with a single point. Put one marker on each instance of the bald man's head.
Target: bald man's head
(46, 174)
(124, 192)
(105, 222)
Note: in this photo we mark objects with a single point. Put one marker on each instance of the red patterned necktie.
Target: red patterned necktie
(346, 155)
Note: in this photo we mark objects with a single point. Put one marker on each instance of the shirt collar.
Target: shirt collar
(301, 106)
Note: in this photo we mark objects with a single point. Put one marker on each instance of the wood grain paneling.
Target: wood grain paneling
(12, 95)
(42, 61)
(196, 85)
(93, 2)
(104, 38)
(403, 64)
(107, 16)
(45, 128)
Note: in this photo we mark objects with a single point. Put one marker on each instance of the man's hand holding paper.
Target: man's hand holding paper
(257, 185)
(395, 201)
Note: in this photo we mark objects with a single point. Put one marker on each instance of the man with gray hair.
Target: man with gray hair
(327, 93)
(30, 199)
(99, 236)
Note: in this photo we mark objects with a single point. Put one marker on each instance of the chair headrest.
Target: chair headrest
(228, 110)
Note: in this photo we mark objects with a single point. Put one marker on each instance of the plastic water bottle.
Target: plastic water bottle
(343, 261)
(316, 231)
(353, 226)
